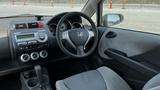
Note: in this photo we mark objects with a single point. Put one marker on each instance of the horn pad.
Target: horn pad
(78, 36)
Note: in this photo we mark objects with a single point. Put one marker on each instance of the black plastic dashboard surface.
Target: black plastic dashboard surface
(7, 63)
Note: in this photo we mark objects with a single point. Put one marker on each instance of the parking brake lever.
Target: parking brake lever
(39, 74)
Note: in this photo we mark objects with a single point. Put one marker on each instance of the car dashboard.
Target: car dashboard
(28, 41)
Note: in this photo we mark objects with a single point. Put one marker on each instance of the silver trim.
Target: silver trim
(91, 34)
(27, 39)
(34, 58)
(36, 36)
(41, 55)
(45, 35)
(65, 36)
(22, 57)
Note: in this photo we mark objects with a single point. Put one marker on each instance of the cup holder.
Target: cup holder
(32, 82)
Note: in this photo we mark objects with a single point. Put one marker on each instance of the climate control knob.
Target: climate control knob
(34, 55)
(43, 54)
(25, 57)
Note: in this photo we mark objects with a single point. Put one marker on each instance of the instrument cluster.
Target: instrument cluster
(71, 23)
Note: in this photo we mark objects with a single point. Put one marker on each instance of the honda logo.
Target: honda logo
(80, 34)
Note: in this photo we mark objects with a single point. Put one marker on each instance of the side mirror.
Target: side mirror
(112, 19)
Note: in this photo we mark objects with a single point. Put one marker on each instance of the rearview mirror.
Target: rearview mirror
(112, 19)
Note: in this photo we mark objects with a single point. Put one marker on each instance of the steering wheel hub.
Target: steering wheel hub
(78, 36)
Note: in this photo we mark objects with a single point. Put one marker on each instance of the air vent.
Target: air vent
(21, 26)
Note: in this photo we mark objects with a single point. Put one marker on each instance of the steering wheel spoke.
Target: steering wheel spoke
(80, 50)
(65, 36)
(91, 35)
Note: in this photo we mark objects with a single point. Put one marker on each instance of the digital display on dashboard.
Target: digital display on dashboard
(26, 36)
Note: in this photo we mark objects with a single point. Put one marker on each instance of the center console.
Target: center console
(29, 41)
(36, 79)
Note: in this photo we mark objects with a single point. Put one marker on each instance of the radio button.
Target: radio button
(34, 56)
(22, 43)
(43, 54)
(25, 57)
(32, 42)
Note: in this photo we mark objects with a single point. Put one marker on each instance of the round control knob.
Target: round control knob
(34, 55)
(43, 54)
(25, 57)
(42, 37)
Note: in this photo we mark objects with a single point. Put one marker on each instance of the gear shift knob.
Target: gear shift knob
(35, 79)
(39, 74)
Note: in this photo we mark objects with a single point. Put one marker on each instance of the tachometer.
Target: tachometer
(64, 26)
(53, 28)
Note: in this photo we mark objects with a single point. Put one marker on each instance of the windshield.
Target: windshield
(39, 7)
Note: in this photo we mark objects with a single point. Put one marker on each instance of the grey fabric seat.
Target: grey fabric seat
(102, 78)
(153, 84)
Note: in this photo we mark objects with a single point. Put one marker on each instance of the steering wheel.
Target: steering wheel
(78, 38)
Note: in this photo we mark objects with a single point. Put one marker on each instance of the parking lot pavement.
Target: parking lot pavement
(147, 20)
(8, 10)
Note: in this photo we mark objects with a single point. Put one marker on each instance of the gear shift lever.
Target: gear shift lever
(39, 74)
(35, 79)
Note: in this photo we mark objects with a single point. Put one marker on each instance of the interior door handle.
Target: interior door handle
(111, 34)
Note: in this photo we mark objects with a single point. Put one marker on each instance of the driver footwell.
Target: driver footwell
(65, 69)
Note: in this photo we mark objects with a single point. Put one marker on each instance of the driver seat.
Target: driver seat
(102, 78)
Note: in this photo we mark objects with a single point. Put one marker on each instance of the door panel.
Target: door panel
(132, 54)
(131, 42)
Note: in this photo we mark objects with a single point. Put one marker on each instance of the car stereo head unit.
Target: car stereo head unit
(24, 37)
(30, 45)
(34, 36)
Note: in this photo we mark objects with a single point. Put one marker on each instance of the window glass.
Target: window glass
(139, 15)
(39, 7)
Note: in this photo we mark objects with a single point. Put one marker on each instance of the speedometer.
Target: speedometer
(65, 26)
(76, 25)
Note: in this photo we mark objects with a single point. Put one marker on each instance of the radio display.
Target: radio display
(26, 36)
